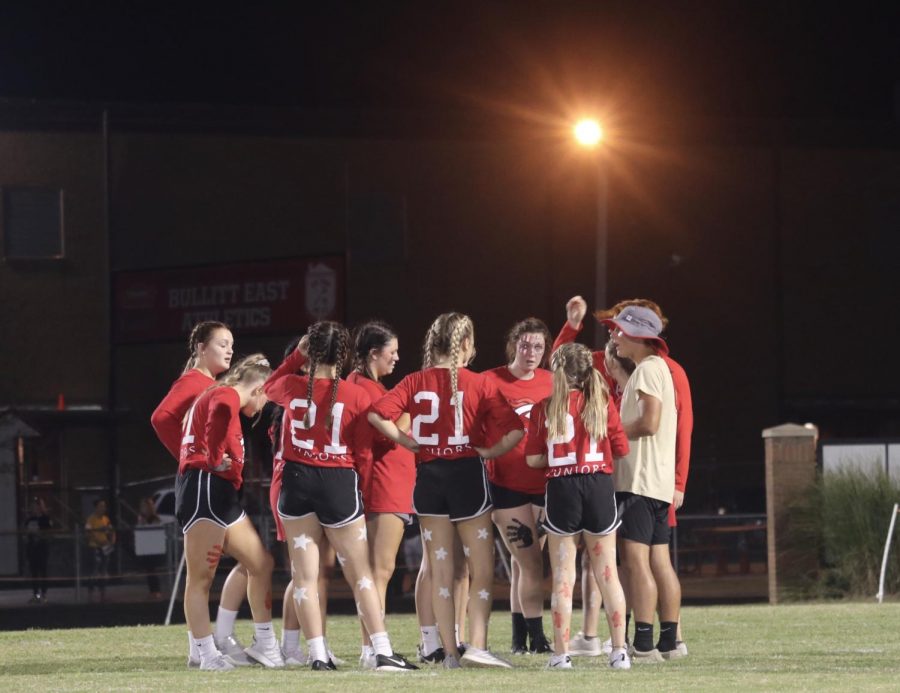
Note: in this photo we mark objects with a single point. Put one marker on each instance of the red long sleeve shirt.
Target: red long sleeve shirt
(212, 430)
(168, 417)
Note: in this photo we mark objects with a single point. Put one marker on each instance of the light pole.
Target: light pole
(589, 134)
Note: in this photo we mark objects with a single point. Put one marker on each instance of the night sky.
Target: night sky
(681, 59)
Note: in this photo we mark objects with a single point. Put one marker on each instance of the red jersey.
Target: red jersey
(277, 474)
(212, 429)
(347, 442)
(436, 426)
(168, 417)
(576, 452)
(683, 406)
(510, 470)
(388, 485)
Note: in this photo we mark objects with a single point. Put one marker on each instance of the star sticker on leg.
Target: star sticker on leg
(426, 534)
(364, 583)
(441, 554)
(300, 594)
(466, 550)
(341, 559)
(482, 533)
(362, 534)
(444, 592)
(302, 542)
(484, 594)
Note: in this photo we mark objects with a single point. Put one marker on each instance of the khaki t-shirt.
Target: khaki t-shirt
(649, 467)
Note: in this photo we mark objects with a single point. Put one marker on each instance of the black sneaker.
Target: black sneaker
(435, 657)
(319, 665)
(393, 663)
(519, 649)
(541, 646)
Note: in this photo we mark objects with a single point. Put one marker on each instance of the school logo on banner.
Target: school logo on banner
(321, 291)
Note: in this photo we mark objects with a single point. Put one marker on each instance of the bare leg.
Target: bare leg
(590, 597)
(242, 542)
(477, 537)
(203, 548)
(460, 587)
(602, 552)
(562, 559)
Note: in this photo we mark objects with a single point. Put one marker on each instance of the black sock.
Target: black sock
(535, 628)
(667, 631)
(643, 636)
(519, 631)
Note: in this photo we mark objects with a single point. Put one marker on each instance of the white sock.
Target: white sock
(456, 633)
(317, 649)
(193, 652)
(431, 639)
(290, 640)
(381, 643)
(265, 634)
(207, 648)
(225, 619)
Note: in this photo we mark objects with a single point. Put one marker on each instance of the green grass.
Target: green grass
(796, 647)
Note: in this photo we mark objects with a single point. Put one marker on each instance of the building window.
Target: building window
(32, 223)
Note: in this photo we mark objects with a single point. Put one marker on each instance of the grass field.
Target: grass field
(846, 646)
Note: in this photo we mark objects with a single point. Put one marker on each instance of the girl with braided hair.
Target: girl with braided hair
(325, 438)
(576, 433)
(211, 347)
(449, 405)
(210, 514)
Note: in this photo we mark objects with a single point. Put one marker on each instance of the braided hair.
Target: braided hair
(444, 338)
(201, 334)
(329, 345)
(255, 366)
(371, 335)
(573, 369)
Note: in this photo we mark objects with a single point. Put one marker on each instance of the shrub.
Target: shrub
(845, 517)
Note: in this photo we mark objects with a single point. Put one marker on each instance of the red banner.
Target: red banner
(277, 297)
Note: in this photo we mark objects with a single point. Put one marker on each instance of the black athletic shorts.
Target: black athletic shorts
(330, 493)
(506, 498)
(204, 496)
(644, 520)
(457, 489)
(581, 503)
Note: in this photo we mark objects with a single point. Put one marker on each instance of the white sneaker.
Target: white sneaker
(337, 661)
(367, 661)
(619, 659)
(193, 663)
(649, 657)
(270, 657)
(606, 647)
(295, 658)
(562, 661)
(231, 648)
(580, 646)
(450, 662)
(680, 649)
(474, 657)
(218, 663)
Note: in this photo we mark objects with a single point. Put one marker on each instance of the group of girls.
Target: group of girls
(353, 461)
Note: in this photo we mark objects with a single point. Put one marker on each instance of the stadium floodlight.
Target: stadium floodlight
(588, 132)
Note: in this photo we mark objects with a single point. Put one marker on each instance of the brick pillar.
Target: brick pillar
(790, 471)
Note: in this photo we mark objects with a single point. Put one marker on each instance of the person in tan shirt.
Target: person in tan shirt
(645, 479)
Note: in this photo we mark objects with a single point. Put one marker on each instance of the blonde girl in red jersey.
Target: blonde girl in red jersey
(210, 514)
(517, 490)
(325, 438)
(387, 485)
(448, 405)
(576, 433)
(211, 347)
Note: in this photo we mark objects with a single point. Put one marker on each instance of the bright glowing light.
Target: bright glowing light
(588, 132)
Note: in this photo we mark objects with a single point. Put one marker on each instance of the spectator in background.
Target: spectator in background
(101, 540)
(147, 517)
(37, 526)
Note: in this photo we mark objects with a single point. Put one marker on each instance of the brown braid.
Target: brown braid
(328, 346)
(201, 334)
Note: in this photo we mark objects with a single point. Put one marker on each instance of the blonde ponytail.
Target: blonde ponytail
(573, 369)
